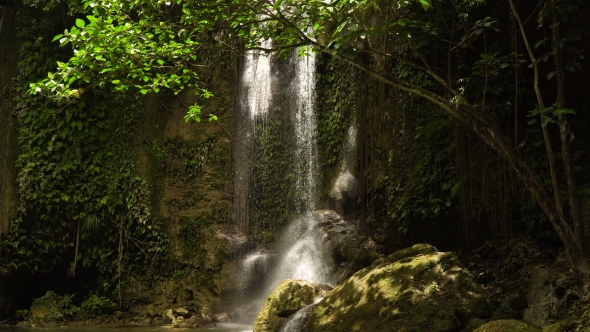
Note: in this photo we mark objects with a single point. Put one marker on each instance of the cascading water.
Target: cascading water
(255, 97)
(299, 253)
(302, 255)
(257, 82)
(304, 120)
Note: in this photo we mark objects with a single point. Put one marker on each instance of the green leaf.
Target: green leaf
(80, 23)
(425, 4)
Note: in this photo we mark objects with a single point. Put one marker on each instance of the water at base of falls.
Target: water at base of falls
(302, 255)
(299, 255)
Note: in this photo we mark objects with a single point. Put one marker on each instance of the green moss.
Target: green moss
(506, 326)
(51, 309)
(474, 323)
(285, 300)
(274, 201)
(407, 291)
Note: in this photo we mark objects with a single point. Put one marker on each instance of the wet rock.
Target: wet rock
(222, 317)
(417, 288)
(344, 194)
(347, 245)
(179, 322)
(507, 325)
(551, 291)
(181, 312)
(284, 301)
(235, 242)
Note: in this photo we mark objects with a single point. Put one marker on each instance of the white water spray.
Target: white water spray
(255, 100)
(305, 156)
(256, 80)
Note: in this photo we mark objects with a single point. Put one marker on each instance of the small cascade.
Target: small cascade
(254, 269)
(301, 252)
(299, 319)
(302, 255)
(344, 190)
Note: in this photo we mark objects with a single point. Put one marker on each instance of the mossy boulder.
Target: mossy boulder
(284, 301)
(51, 310)
(507, 325)
(584, 321)
(414, 289)
(565, 325)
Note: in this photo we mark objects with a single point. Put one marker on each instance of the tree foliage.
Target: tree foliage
(149, 46)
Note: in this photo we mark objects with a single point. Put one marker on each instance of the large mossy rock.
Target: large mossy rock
(284, 301)
(414, 289)
(507, 325)
(51, 310)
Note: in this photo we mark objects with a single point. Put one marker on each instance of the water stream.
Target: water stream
(299, 253)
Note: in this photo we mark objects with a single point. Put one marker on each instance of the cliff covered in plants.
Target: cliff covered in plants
(442, 122)
(111, 193)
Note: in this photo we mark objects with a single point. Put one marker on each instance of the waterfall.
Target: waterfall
(257, 82)
(305, 156)
(255, 97)
(302, 254)
(299, 253)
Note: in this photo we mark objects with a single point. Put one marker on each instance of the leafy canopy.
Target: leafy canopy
(150, 46)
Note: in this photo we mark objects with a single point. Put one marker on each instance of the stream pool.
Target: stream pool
(130, 328)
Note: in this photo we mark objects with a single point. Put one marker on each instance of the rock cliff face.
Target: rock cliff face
(187, 165)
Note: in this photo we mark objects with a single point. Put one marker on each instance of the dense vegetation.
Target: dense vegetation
(464, 108)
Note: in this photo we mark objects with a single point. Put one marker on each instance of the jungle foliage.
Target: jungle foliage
(483, 65)
(81, 200)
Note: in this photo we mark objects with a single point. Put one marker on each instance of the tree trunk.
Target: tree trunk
(541, 105)
(564, 134)
(475, 120)
(492, 136)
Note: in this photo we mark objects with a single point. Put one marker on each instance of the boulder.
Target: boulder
(51, 310)
(414, 289)
(552, 291)
(344, 194)
(507, 325)
(583, 322)
(565, 325)
(284, 301)
(343, 240)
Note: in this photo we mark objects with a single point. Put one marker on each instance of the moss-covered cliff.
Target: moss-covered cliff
(113, 192)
